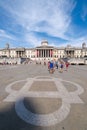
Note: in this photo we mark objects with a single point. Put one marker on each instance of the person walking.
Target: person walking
(61, 66)
(66, 65)
(56, 63)
(51, 67)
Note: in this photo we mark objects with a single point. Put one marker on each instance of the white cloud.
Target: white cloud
(56, 15)
(84, 13)
(3, 34)
(77, 42)
(32, 40)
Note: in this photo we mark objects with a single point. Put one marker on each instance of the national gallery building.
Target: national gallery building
(44, 51)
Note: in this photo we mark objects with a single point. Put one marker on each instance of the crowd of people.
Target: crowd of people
(59, 64)
(52, 64)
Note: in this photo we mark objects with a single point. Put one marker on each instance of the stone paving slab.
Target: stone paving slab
(33, 99)
(43, 86)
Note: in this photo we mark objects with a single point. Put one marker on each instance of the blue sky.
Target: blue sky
(25, 23)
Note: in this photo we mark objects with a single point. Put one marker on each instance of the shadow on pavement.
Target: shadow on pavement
(9, 120)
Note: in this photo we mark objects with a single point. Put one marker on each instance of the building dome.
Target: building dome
(44, 43)
(68, 46)
(83, 45)
(7, 46)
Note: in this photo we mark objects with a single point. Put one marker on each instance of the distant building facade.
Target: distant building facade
(44, 52)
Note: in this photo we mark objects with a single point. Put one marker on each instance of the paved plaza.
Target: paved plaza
(33, 99)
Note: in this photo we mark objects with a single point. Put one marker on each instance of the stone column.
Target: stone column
(48, 53)
(42, 53)
(21, 53)
(18, 53)
(38, 53)
(45, 53)
(51, 53)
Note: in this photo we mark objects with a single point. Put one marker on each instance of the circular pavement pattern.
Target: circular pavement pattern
(53, 118)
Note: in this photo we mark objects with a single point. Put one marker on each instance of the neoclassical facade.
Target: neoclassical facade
(44, 51)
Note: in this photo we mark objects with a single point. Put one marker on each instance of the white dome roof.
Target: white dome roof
(44, 43)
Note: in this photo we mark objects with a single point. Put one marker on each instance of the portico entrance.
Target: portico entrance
(69, 53)
(43, 53)
(20, 52)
